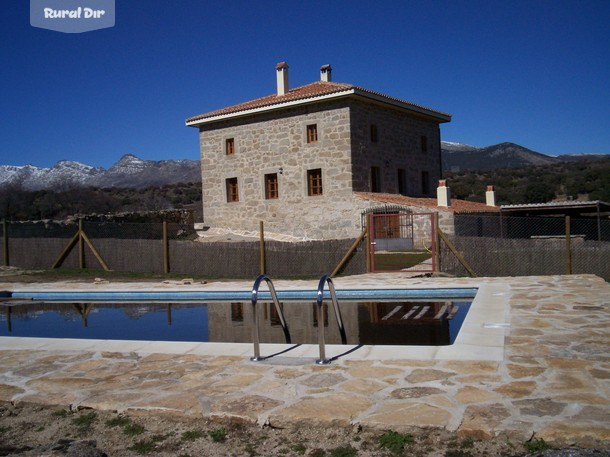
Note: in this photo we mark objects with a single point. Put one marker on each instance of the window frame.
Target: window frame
(425, 182)
(315, 187)
(424, 144)
(375, 179)
(229, 146)
(232, 189)
(237, 312)
(401, 177)
(311, 133)
(373, 133)
(272, 187)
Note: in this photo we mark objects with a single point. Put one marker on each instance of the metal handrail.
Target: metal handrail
(255, 336)
(320, 300)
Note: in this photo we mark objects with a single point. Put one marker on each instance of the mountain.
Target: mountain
(133, 172)
(457, 156)
(129, 171)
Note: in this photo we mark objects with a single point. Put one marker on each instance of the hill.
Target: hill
(583, 179)
(459, 156)
(130, 171)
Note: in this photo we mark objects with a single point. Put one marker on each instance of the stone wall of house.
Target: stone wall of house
(268, 143)
(397, 146)
(271, 143)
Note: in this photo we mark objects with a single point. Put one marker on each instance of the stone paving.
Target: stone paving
(549, 377)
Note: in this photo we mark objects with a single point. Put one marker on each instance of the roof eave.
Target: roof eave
(435, 115)
(267, 108)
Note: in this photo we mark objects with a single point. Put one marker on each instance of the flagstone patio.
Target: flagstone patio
(532, 360)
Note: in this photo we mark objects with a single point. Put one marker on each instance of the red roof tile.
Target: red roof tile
(315, 89)
(457, 206)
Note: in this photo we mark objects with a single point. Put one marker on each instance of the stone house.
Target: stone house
(309, 161)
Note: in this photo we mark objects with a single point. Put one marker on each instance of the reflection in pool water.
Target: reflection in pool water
(429, 322)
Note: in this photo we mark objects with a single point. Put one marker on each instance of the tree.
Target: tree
(538, 192)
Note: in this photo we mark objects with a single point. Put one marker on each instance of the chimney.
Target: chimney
(325, 73)
(282, 78)
(490, 196)
(443, 194)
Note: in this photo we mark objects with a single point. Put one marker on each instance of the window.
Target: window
(375, 179)
(232, 190)
(271, 188)
(274, 316)
(314, 182)
(312, 133)
(237, 312)
(402, 181)
(424, 144)
(373, 133)
(425, 183)
(230, 146)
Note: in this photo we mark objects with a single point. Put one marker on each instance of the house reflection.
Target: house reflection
(381, 323)
(386, 323)
(234, 323)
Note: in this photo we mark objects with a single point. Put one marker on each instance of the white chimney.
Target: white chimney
(325, 73)
(443, 194)
(282, 78)
(490, 196)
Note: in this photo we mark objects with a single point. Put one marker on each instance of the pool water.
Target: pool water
(426, 322)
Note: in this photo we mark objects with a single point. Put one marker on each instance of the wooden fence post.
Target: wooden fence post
(262, 249)
(165, 249)
(437, 240)
(81, 245)
(5, 242)
(457, 254)
(80, 238)
(368, 243)
(349, 252)
(568, 247)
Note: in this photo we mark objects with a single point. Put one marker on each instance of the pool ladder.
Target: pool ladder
(324, 280)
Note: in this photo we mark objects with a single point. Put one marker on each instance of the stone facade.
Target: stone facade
(361, 147)
(398, 147)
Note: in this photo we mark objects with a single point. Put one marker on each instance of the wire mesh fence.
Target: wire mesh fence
(491, 246)
(162, 248)
(518, 246)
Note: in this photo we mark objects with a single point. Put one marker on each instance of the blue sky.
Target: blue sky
(533, 72)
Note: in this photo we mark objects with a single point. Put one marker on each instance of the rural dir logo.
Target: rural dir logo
(72, 16)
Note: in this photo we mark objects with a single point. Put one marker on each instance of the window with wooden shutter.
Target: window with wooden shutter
(232, 190)
(314, 182)
(312, 133)
(271, 186)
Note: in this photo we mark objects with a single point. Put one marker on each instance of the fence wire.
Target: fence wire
(519, 246)
(491, 245)
(142, 248)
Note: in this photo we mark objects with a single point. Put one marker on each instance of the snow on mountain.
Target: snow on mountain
(450, 146)
(129, 171)
(129, 164)
(11, 174)
(502, 155)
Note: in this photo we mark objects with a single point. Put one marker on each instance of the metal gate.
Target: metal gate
(402, 241)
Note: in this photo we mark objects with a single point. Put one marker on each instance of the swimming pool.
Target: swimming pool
(414, 322)
(379, 316)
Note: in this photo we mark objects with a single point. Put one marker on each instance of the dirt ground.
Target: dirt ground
(35, 430)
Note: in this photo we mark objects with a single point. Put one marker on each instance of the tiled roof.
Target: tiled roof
(558, 204)
(457, 206)
(311, 91)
